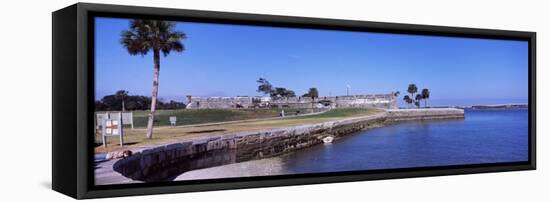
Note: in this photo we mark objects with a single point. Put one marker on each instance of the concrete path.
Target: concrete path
(104, 174)
(263, 167)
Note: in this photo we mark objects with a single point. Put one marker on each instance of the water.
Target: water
(484, 136)
(467, 102)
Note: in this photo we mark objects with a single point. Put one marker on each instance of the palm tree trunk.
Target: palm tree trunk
(155, 94)
(411, 105)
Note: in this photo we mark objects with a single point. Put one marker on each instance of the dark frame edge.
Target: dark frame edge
(81, 180)
(307, 22)
(85, 89)
(244, 184)
(533, 99)
(64, 145)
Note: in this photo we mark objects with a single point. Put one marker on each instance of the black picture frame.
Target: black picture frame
(73, 99)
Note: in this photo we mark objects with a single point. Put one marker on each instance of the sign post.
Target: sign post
(173, 121)
(112, 127)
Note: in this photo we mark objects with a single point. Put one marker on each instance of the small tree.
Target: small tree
(121, 95)
(288, 93)
(396, 94)
(264, 87)
(278, 92)
(425, 96)
(312, 93)
(282, 92)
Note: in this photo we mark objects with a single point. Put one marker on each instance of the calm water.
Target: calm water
(468, 102)
(484, 136)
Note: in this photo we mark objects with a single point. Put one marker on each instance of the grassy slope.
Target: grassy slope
(198, 116)
(136, 137)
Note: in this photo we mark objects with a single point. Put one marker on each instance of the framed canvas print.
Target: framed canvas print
(155, 100)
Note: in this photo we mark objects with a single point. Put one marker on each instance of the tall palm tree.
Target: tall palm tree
(408, 100)
(417, 100)
(412, 89)
(157, 36)
(121, 95)
(425, 96)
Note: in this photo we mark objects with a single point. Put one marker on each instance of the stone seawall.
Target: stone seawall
(422, 114)
(168, 161)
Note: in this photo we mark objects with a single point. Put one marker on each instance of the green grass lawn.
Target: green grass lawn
(199, 116)
(341, 113)
(163, 135)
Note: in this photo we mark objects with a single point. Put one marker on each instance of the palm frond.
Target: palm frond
(145, 35)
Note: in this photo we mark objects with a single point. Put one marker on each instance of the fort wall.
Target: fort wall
(384, 101)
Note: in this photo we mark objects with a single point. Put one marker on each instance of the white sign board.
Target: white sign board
(112, 127)
(173, 121)
(127, 118)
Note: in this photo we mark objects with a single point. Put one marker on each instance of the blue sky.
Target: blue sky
(226, 60)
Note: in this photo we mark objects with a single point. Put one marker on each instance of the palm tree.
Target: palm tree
(157, 36)
(312, 93)
(417, 100)
(412, 89)
(425, 96)
(408, 100)
(121, 95)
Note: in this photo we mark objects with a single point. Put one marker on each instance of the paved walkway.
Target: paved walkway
(262, 167)
(104, 174)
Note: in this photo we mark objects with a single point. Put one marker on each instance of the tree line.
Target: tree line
(415, 97)
(267, 89)
(121, 101)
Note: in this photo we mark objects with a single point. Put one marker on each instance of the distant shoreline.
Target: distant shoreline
(496, 106)
(492, 106)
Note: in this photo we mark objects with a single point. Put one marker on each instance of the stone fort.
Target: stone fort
(386, 101)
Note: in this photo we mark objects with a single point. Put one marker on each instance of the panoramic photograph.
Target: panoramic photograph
(183, 101)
